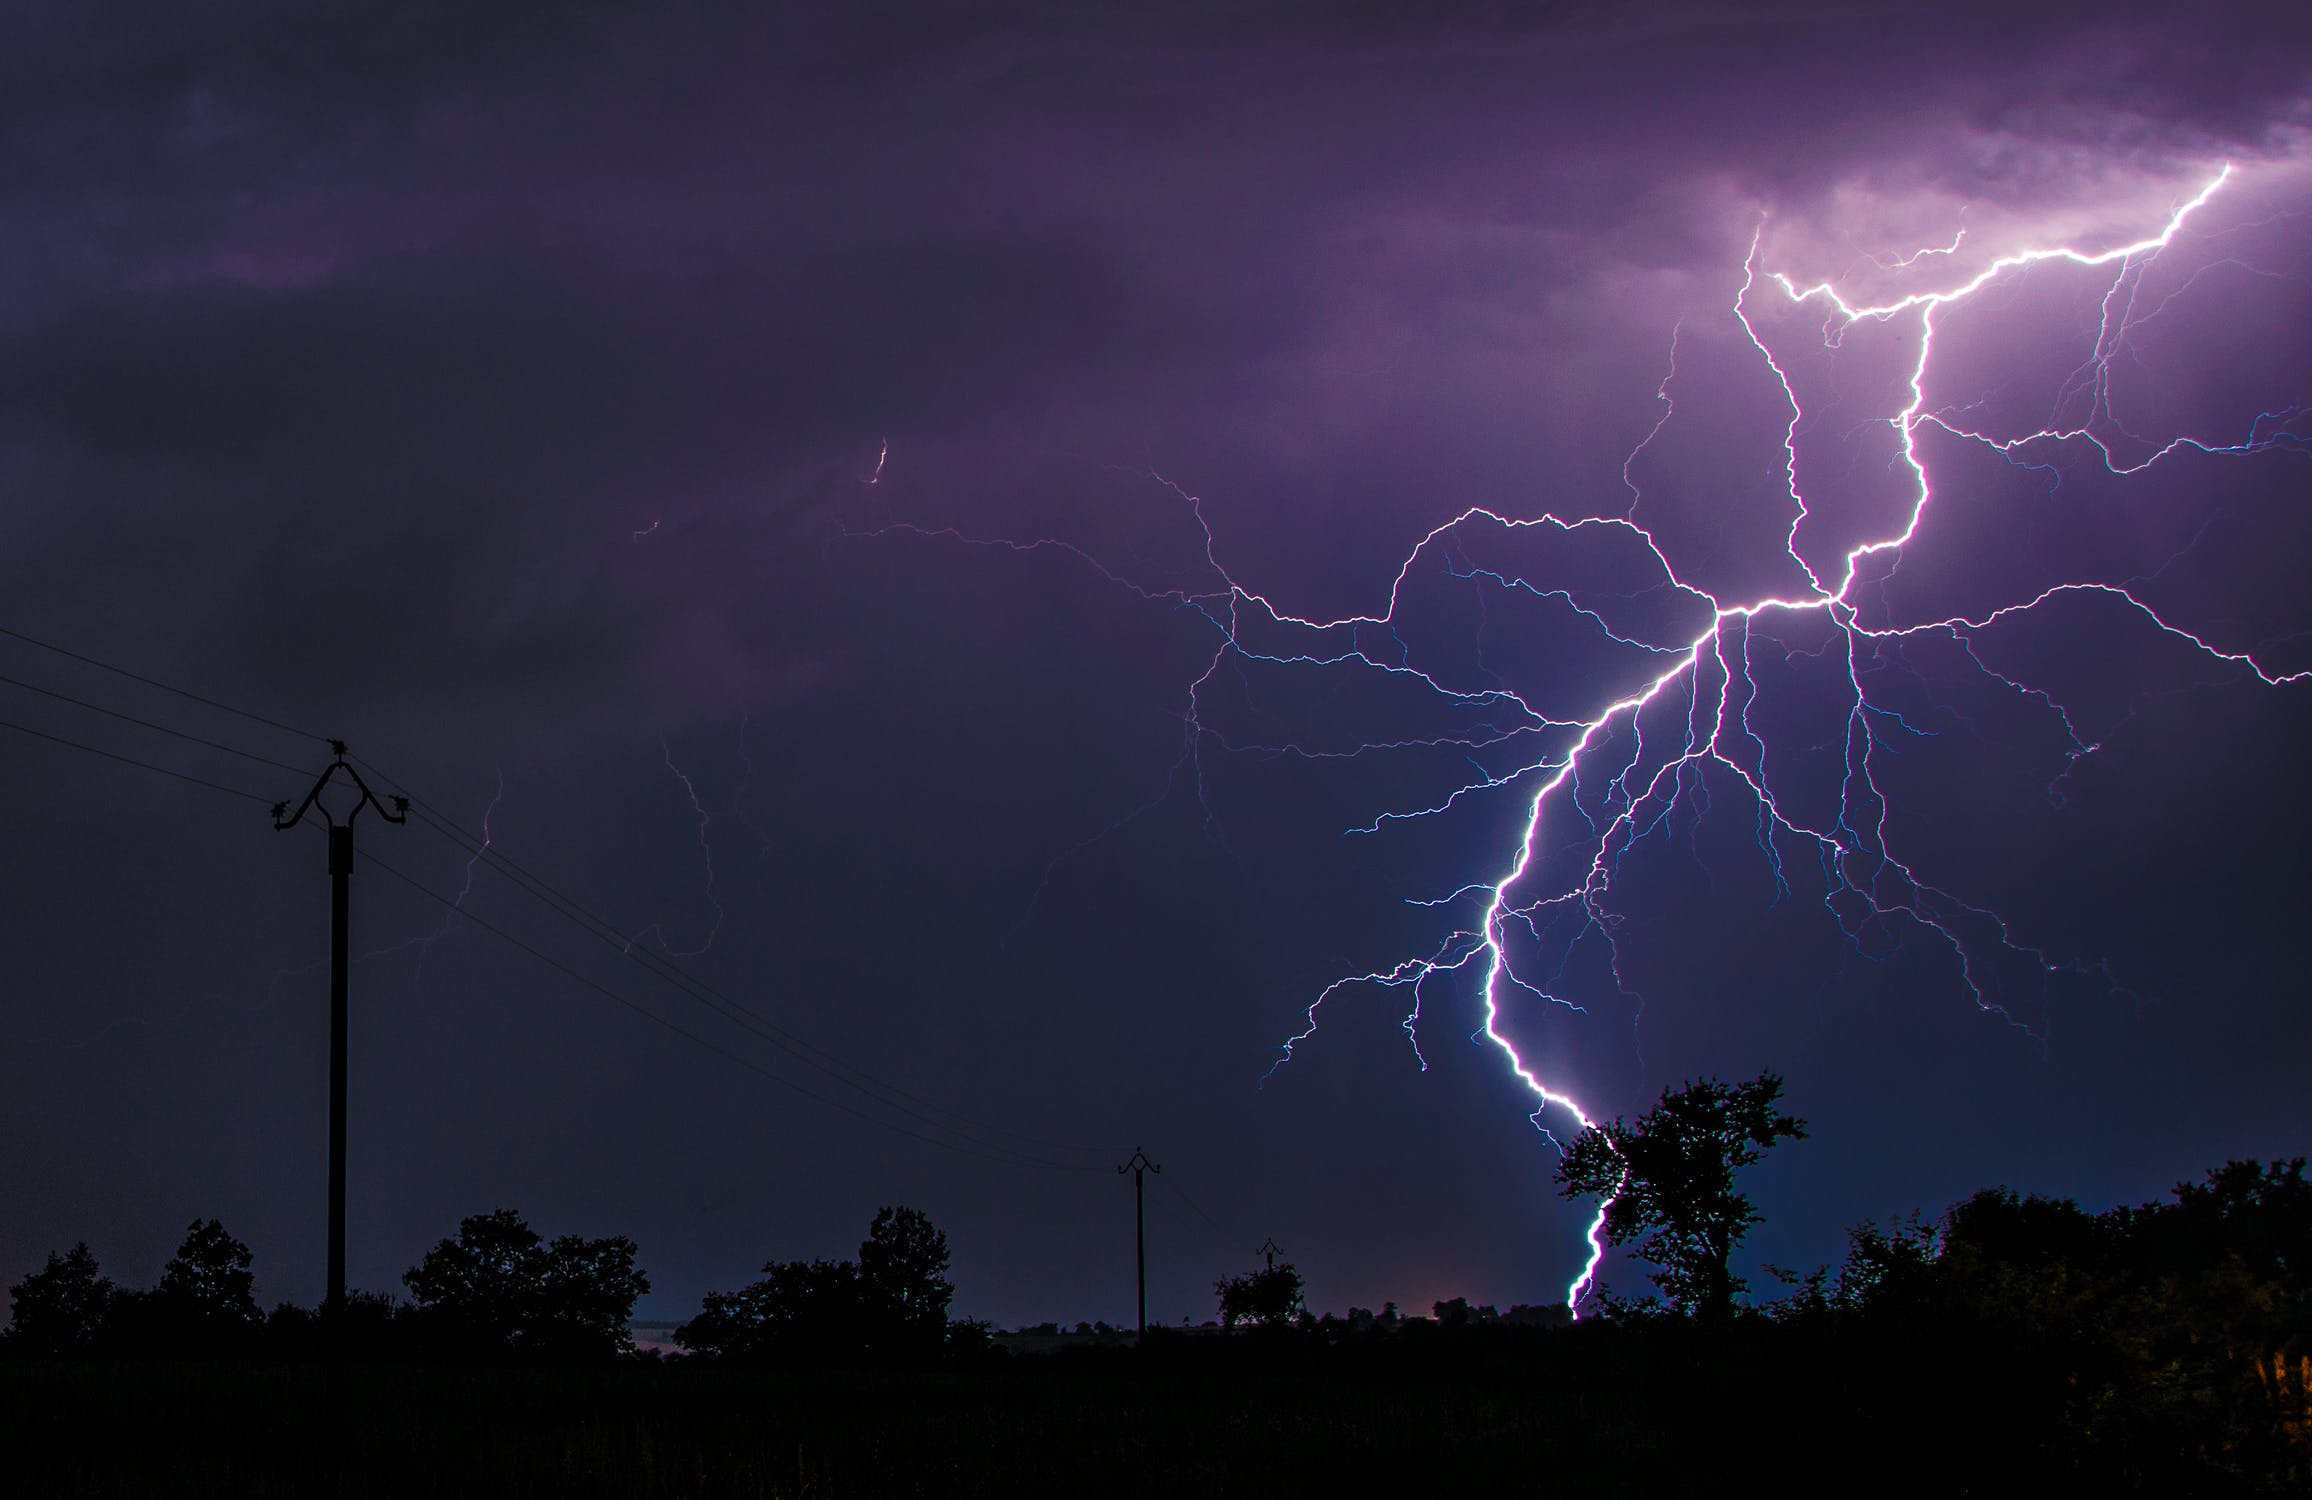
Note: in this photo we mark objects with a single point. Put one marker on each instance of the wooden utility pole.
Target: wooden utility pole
(340, 923)
(1271, 1249)
(1138, 1166)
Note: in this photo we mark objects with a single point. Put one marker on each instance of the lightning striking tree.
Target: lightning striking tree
(1669, 1177)
(1705, 678)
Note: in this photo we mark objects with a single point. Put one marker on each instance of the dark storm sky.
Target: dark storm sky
(500, 391)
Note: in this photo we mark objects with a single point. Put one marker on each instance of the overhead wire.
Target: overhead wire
(142, 765)
(126, 718)
(668, 972)
(155, 682)
(883, 1093)
(1219, 1235)
(1193, 1205)
(682, 1031)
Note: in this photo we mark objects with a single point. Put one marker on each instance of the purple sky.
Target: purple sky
(501, 393)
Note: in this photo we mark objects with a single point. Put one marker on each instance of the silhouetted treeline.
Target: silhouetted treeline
(2164, 1344)
(2016, 1342)
(888, 1308)
(498, 1290)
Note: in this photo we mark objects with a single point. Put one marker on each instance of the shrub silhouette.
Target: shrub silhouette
(1267, 1298)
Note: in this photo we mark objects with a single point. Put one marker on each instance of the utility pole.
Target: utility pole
(1138, 1166)
(1271, 1249)
(340, 896)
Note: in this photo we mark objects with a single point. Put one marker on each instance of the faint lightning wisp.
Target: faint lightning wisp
(706, 854)
(451, 922)
(424, 942)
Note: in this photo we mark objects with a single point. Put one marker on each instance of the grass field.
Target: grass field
(1592, 1412)
(155, 1428)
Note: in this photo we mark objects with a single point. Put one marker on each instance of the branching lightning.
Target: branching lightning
(1600, 780)
(707, 818)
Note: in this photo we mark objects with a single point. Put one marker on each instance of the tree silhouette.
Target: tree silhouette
(890, 1305)
(2232, 1257)
(499, 1288)
(802, 1312)
(207, 1284)
(903, 1282)
(60, 1308)
(1267, 1298)
(478, 1289)
(1669, 1177)
(586, 1293)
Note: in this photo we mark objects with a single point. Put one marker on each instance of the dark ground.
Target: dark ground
(1578, 1412)
(104, 1428)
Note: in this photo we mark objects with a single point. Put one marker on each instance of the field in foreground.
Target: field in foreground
(1582, 1412)
(106, 1428)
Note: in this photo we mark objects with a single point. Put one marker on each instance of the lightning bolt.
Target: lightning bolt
(450, 923)
(706, 854)
(1599, 781)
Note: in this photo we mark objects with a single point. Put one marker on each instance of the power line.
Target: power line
(166, 687)
(680, 1030)
(130, 760)
(889, 1095)
(1193, 1206)
(740, 1014)
(114, 713)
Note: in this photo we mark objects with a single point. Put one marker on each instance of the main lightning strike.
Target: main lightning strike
(1868, 888)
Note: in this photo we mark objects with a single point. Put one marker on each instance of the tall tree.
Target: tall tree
(60, 1308)
(207, 1285)
(477, 1291)
(889, 1306)
(803, 1313)
(1668, 1179)
(587, 1291)
(500, 1288)
(903, 1281)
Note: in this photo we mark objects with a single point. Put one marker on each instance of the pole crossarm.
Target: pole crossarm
(284, 820)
